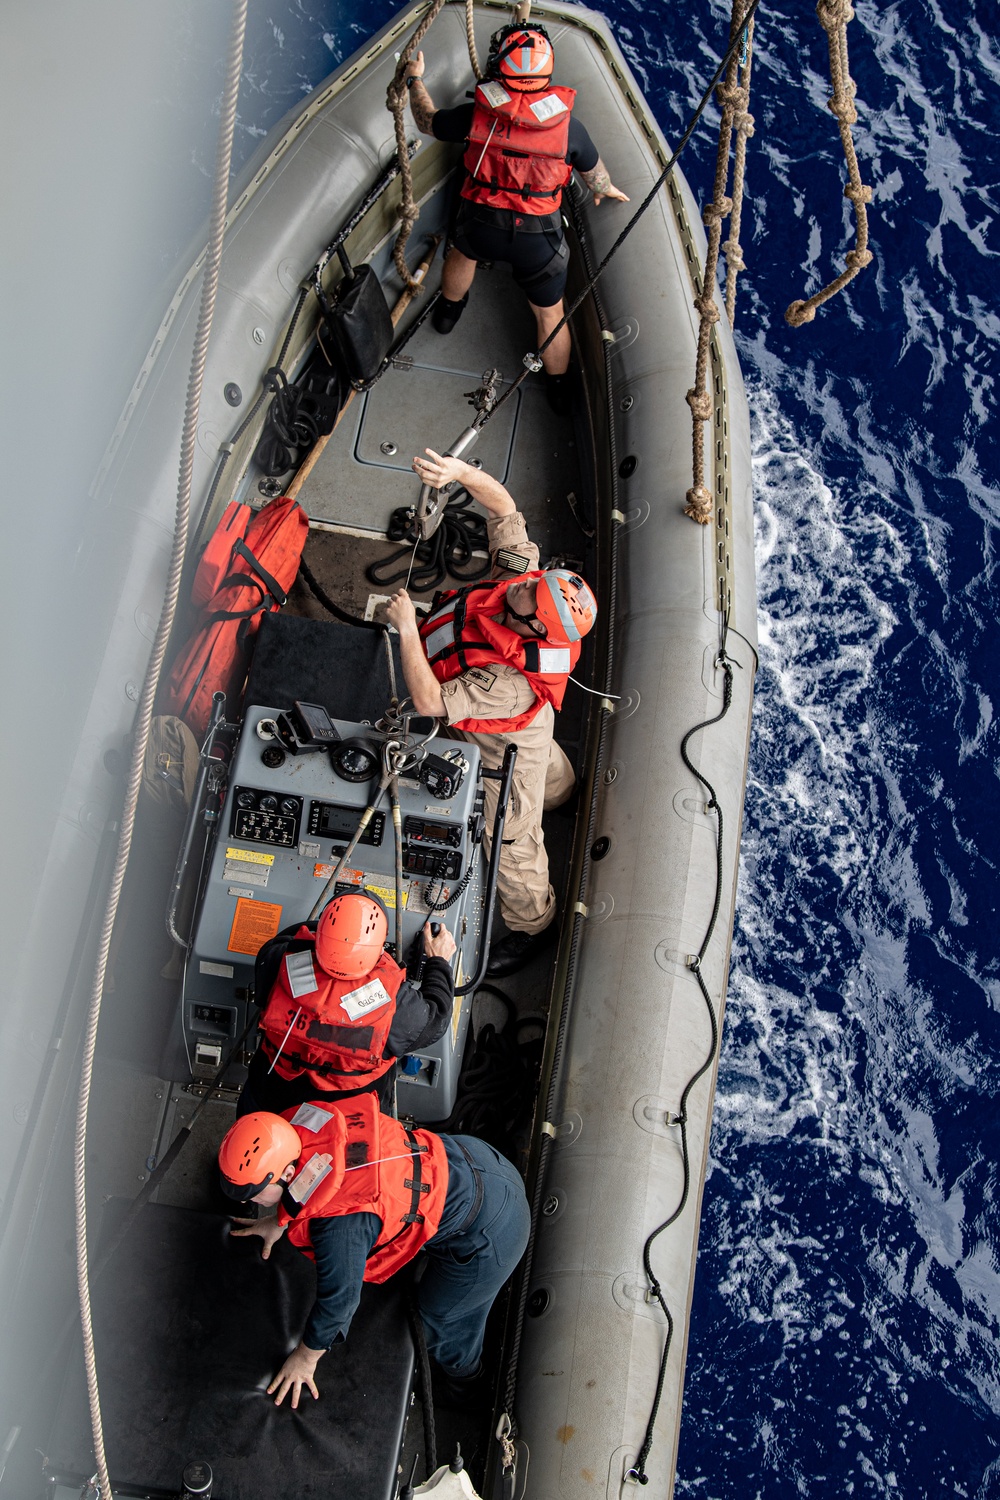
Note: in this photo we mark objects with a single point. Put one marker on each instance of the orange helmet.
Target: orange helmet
(350, 935)
(565, 606)
(254, 1152)
(524, 58)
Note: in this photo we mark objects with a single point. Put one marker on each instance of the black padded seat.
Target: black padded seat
(317, 661)
(190, 1326)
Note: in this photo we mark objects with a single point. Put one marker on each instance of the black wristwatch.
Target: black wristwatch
(411, 79)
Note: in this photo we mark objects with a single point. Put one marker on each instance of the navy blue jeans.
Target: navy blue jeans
(464, 1272)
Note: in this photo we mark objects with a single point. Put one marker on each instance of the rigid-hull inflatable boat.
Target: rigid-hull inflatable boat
(630, 1001)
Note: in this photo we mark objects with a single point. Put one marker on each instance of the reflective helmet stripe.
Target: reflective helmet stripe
(566, 620)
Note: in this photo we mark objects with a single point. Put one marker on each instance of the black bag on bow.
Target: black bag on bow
(357, 329)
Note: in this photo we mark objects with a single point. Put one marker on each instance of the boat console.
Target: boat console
(299, 783)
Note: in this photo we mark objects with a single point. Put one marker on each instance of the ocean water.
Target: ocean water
(847, 1311)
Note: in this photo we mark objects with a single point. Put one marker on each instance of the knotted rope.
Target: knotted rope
(733, 95)
(395, 102)
(743, 124)
(834, 16)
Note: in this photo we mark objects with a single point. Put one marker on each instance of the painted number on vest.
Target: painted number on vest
(365, 998)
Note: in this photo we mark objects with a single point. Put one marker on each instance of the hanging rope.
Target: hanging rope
(834, 16)
(144, 716)
(743, 125)
(470, 37)
(395, 103)
(734, 99)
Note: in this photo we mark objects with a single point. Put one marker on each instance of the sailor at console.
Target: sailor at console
(340, 1010)
(360, 1195)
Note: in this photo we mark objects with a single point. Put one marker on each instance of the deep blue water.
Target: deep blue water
(845, 1322)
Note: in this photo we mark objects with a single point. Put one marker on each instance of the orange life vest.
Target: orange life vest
(460, 632)
(516, 156)
(334, 1030)
(377, 1166)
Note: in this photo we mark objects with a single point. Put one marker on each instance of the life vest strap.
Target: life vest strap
(414, 1183)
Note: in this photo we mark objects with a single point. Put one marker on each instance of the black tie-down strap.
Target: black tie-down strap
(414, 1183)
(263, 582)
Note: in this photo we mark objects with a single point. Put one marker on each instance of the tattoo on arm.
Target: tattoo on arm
(422, 108)
(598, 179)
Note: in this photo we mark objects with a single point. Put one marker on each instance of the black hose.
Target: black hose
(426, 1391)
(322, 597)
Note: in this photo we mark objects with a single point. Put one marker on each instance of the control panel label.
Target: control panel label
(221, 971)
(346, 877)
(387, 893)
(250, 875)
(250, 856)
(367, 997)
(254, 924)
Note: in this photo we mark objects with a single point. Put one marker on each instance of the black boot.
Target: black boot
(446, 314)
(519, 948)
(560, 392)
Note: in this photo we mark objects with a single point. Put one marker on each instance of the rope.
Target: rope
(637, 1473)
(470, 37)
(448, 553)
(395, 103)
(743, 124)
(733, 98)
(144, 716)
(834, 17)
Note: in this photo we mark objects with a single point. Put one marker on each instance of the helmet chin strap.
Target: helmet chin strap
(524, 620)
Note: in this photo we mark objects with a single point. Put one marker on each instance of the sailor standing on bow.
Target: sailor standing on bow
(522, 143)
(493, 660)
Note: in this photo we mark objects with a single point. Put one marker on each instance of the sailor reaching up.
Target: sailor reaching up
(492, 660)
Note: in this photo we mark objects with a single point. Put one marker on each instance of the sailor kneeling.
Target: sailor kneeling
(340, 1010)
(361, 1195)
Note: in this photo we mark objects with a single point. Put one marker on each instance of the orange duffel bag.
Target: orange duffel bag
(247, 568)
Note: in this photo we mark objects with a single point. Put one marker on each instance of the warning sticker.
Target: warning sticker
(250, 856)
(387, 894)
(254, 924)
(346, 877)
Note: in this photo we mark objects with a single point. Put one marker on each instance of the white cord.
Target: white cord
(596, 691)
